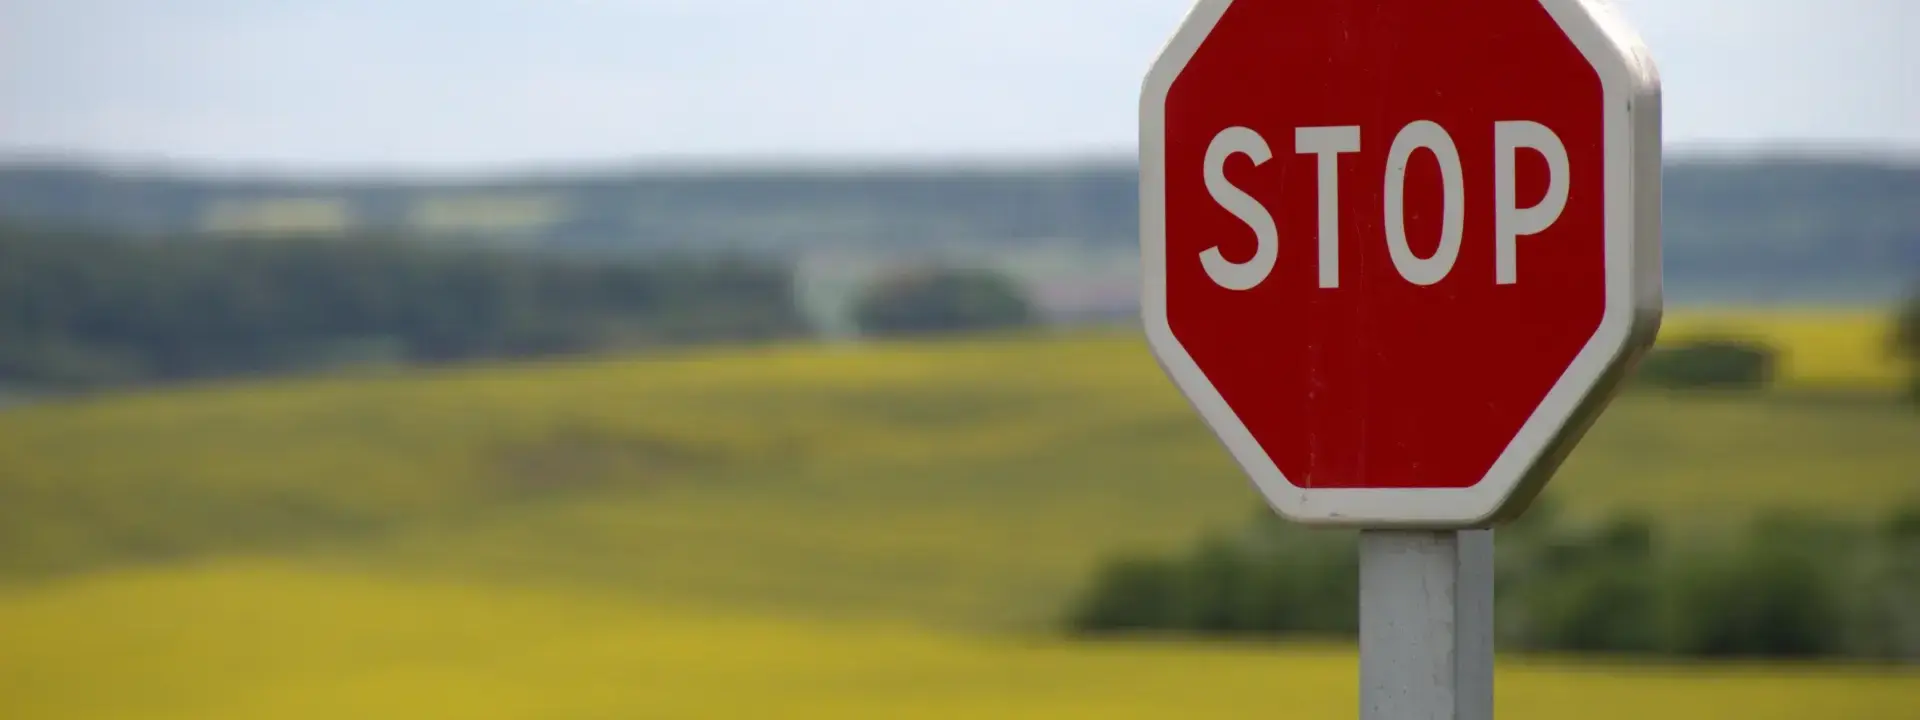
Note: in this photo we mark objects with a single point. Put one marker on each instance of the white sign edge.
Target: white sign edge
(1630, 89)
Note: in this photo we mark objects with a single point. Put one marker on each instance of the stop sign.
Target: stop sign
(1398, 253)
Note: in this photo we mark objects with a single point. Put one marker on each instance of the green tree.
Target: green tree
(943, 300)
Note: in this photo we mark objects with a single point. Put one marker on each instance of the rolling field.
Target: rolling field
(853, 532)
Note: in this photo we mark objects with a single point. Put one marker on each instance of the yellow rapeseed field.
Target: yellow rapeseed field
(268, 640)
(861, 531)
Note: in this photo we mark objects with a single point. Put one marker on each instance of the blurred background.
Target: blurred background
(744, 358)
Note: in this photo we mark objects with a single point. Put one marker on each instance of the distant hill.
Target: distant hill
(1749, 230)
(1791, 230)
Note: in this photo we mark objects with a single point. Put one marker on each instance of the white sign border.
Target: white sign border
(1630, 87)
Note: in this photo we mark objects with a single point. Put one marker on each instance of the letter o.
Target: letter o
(1429, 135)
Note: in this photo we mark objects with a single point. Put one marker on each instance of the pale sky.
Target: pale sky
(433, 85)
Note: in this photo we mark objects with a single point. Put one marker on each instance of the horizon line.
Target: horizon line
(1889, 154)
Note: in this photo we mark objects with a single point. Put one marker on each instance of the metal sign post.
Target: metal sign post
(1426, 625)
(1399, 255)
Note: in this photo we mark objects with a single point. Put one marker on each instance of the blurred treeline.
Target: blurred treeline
(87, 310)
(80, 310)
(1735, 230)
(1789, 587)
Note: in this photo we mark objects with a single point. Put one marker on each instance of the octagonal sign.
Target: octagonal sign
(1399, 255)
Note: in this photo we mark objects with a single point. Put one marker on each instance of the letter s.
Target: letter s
(1225, 273)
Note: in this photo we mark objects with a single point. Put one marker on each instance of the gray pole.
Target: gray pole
(1426, 625)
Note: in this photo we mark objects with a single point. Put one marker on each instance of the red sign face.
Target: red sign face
(1399, 249)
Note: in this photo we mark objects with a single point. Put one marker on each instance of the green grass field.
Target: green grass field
(846, 532)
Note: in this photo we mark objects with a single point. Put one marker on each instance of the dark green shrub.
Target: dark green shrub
(1212, 589)
(1711, 363)
(1612, 607)
(1791, 587)
(1129, 594)
(1906, 344)
(1307, 592)
(1278, 580)
(1311, 579)
(1269, 607)
(1596, 591)
(1779, 596)
(941, 301)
